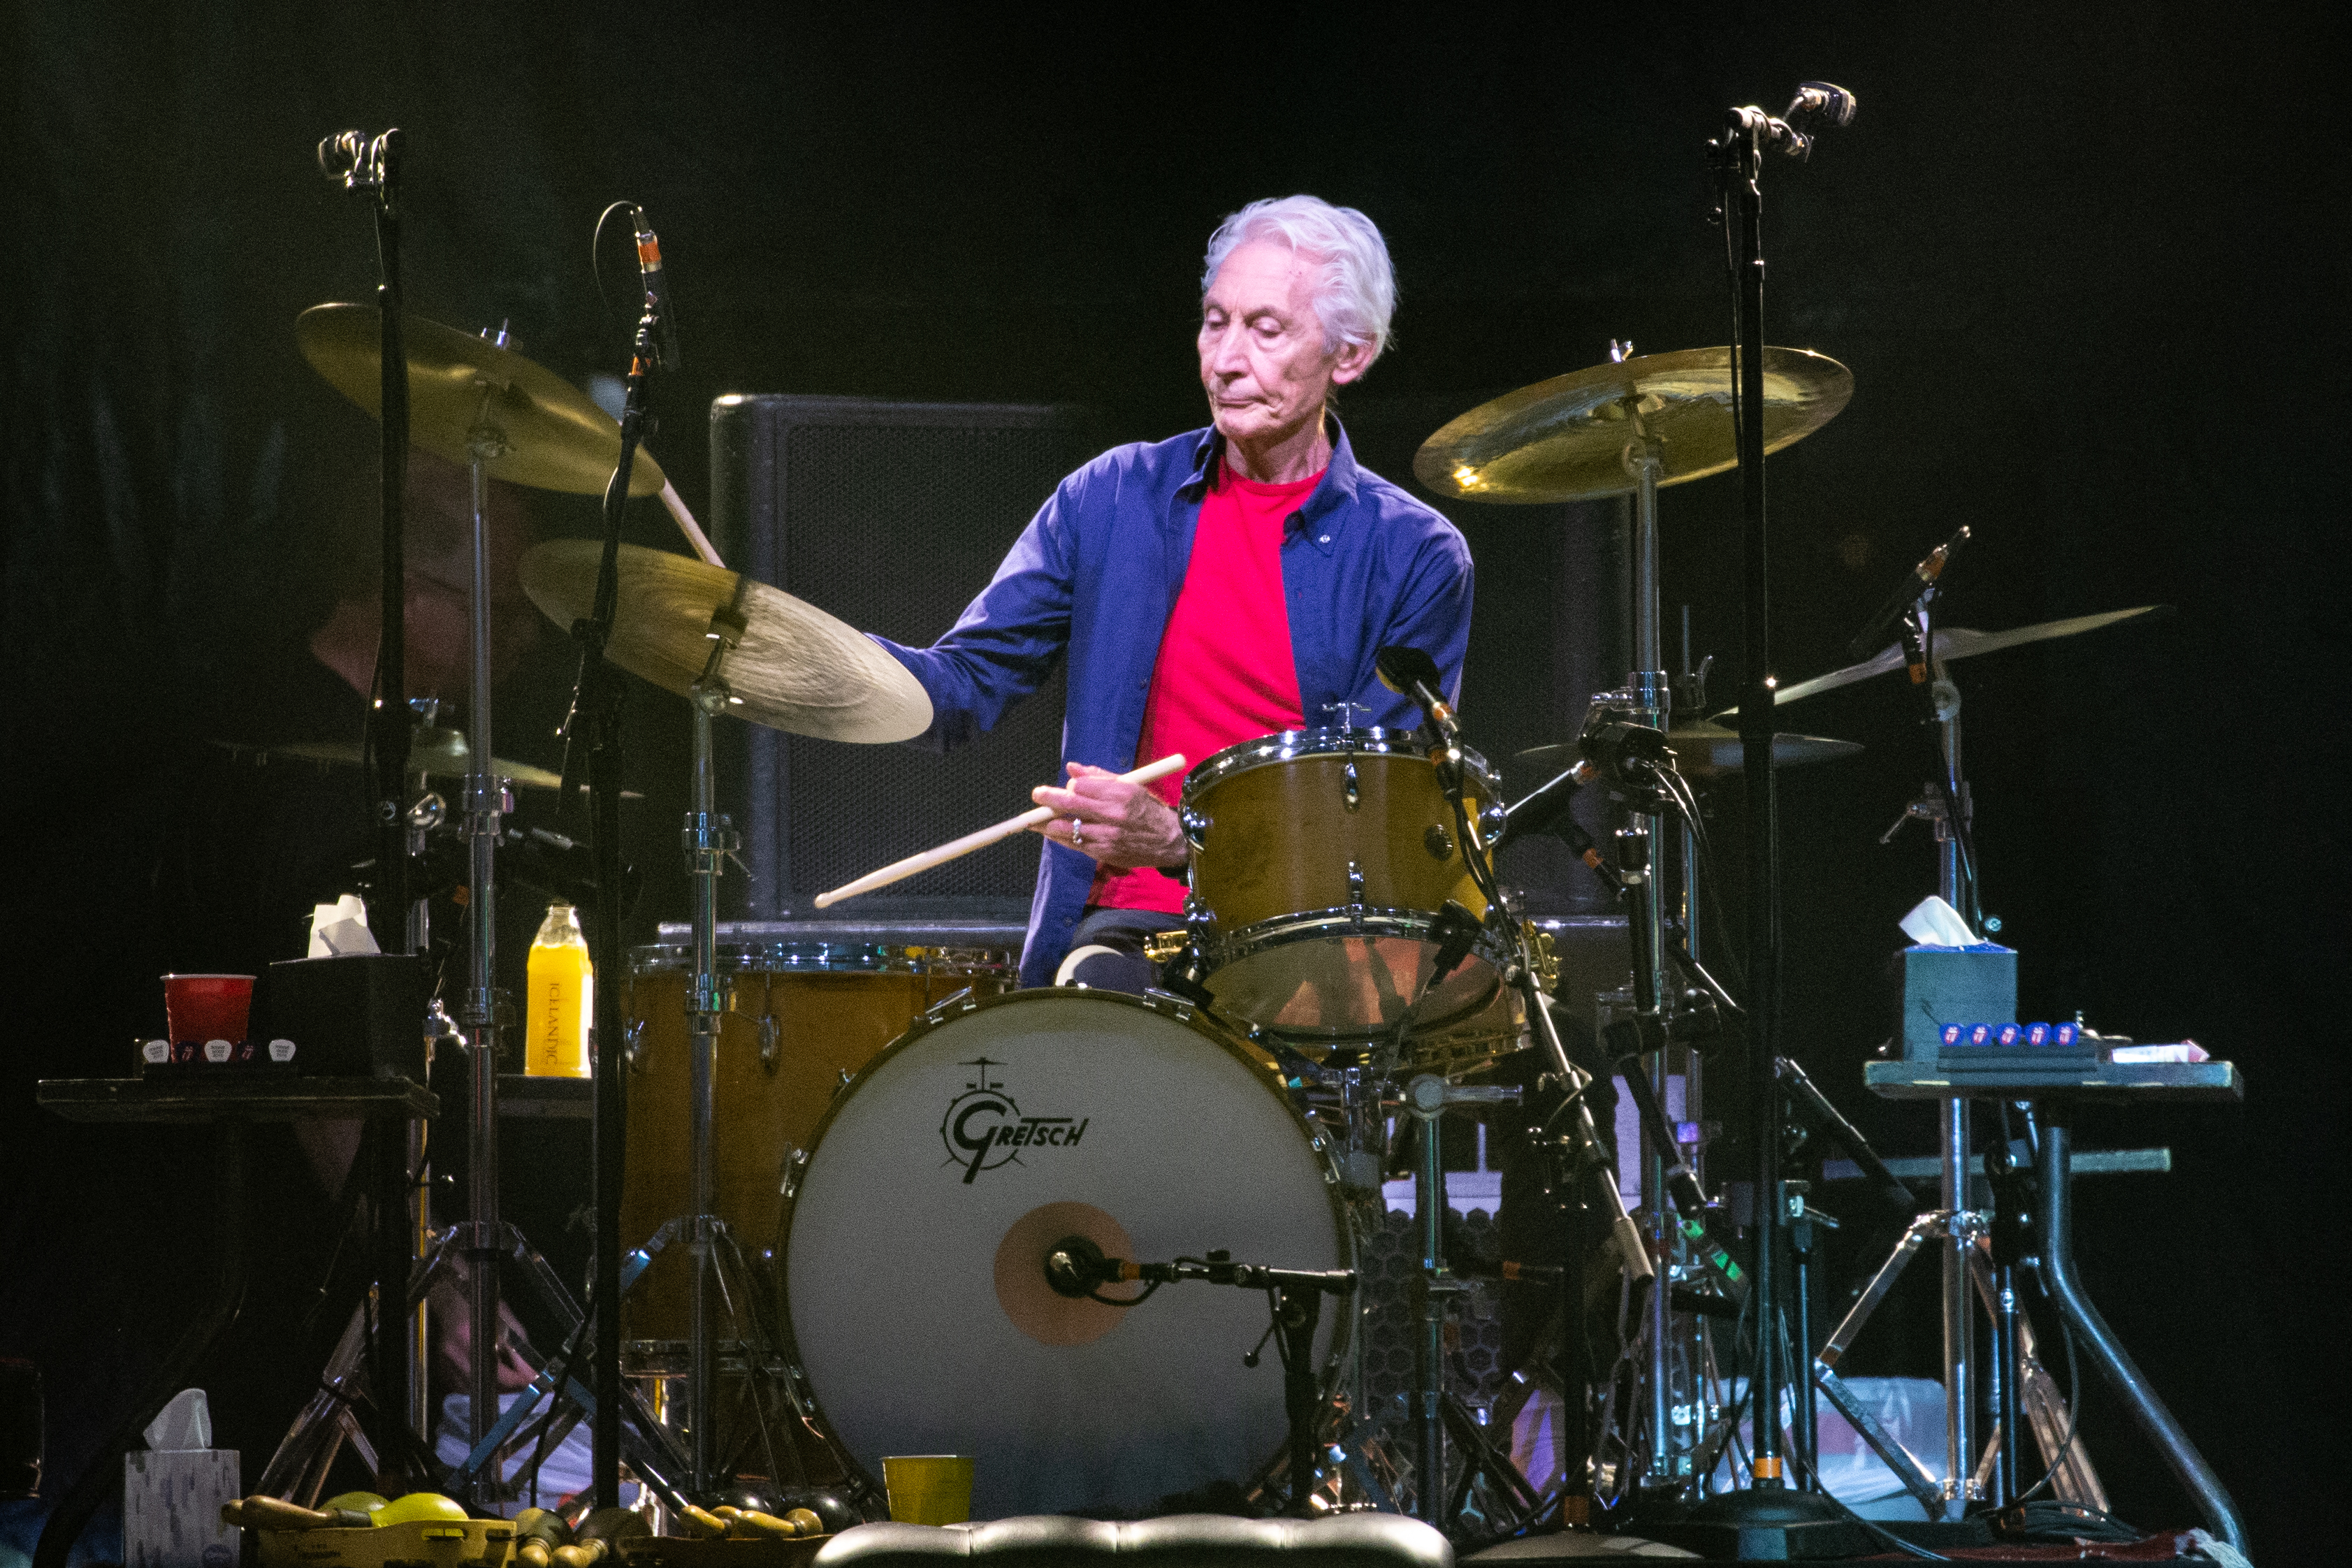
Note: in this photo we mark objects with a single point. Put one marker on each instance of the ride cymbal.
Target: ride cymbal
(1704, 750)
(1564, 440)
(797, 668)
(540, 429)
(1960, 642)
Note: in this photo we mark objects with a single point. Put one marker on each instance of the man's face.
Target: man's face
(1261, 357)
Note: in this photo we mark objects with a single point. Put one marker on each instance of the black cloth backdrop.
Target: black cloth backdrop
(2080, 260)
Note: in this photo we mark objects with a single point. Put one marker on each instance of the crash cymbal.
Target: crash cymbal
(1564, 440)
(1704, 750)
(797, 668)
(437, 753)
(549, 434)
(1961, 642)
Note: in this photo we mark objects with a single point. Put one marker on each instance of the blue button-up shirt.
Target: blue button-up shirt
(1094, 575)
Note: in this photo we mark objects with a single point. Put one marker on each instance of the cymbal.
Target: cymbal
(797, 669)
(1961, 642)
(438, 754)
(1564, 440)
(551, 436)
(1704, 750)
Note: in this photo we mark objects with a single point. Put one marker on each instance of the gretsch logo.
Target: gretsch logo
(984, 1128)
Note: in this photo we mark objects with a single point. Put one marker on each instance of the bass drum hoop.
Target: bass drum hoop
(1343, 1323)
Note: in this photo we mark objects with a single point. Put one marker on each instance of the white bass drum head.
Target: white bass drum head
(915, 1282)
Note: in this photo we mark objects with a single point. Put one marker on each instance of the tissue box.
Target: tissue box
(1933, 986)
(358, 1015)
(172, 1501)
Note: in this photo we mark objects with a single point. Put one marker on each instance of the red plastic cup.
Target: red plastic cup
(200, 1007)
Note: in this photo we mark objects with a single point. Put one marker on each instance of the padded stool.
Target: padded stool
(1184, 1541)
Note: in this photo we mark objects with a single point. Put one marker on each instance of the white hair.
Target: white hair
(1355, 287)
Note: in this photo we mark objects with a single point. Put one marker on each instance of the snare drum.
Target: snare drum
(916, 1243)
(1322, 859)
(807, 1013)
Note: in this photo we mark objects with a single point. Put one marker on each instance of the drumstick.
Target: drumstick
(901, 869)
(691, 529)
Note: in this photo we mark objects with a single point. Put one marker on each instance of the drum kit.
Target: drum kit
(930, 1209)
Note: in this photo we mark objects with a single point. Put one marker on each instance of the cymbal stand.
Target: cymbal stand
(486, 798)
(710, 838)
(1945, 803)
(1646, 702)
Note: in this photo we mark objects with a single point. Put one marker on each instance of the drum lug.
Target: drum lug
(1196, 824)
(771, 1044)
(795, 1167)
(1438, 842)
(1351, 793)
(633, 1045)
(1356, 890)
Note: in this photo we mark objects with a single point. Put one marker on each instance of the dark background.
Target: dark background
(2083, 261)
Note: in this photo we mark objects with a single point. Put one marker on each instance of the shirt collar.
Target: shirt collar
(1335, 490)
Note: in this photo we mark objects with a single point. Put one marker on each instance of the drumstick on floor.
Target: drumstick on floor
(900, 871)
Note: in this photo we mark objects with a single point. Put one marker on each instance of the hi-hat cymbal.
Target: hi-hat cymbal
(1704, 750)
(546, 432)
(1962, 642)
(797, 668)
(1564, 440)
(437, 753)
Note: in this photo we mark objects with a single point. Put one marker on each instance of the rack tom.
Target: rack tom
(811, 1006)
(1323, 861)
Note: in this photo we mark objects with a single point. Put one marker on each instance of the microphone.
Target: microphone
(1917, 581)
(658, 301)
(1823, 100)
(356, 161)
(1409, 672)
(1820, 103)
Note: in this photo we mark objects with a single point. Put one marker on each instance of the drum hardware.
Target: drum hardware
(1637, 424)
(1075, 1267)
(476, 403)
(787, 665)
(1426, 1098)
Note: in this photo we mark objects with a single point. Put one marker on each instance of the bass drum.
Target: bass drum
(916, 1240)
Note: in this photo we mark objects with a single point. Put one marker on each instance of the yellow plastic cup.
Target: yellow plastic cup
(929, 1489)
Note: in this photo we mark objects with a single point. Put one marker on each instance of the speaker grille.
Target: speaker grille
(891, 516)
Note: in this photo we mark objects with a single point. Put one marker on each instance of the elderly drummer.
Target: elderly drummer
(1220, 585)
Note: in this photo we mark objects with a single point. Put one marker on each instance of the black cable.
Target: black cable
(1149, 1290)
(2073, 1410)
(596, 246)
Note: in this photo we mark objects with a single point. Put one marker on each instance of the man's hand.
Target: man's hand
(1117, 823)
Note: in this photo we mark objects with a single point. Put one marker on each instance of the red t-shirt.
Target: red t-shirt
(1224, 673)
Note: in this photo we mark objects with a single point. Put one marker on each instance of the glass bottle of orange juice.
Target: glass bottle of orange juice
(562, 991)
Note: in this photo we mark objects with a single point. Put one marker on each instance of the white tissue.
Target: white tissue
(339, 928)
(1935, 923)
(185, 1422)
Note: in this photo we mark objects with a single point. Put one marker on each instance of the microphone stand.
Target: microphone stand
(1075, 1267)
(1766, 1519)
(395, 1361)
(593, 728)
